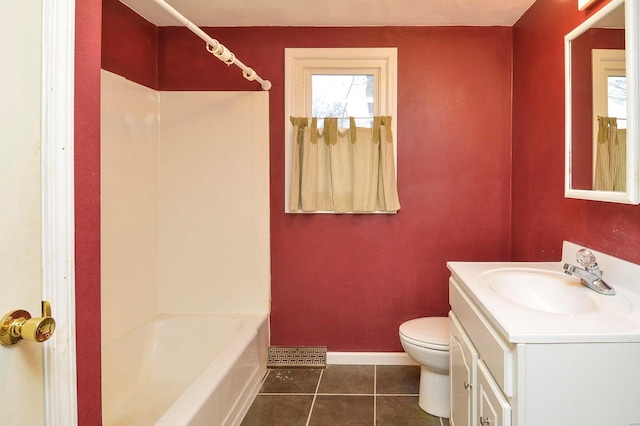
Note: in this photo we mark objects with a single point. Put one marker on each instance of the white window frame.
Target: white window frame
(300, 64)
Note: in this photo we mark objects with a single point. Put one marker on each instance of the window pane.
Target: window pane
(343, 95)
(617, 102)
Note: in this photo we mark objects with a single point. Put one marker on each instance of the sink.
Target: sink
(536, 302)
(546, 291)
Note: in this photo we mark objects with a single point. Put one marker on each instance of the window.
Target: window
(609, 85)
(343, 95)
(352, 82)
(617, 99)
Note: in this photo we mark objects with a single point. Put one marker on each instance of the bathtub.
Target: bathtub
(185, 370)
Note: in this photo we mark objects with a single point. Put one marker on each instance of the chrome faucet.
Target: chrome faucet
(591, 275)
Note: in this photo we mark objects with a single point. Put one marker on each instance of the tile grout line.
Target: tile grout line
(391, 394)
(339, 394)
(375, 394)
(287, 393)
(313, 402)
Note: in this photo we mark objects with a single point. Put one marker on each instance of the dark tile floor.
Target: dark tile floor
(367, 395)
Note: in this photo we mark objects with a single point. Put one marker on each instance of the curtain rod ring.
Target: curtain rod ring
(249, 74)
(232, 58)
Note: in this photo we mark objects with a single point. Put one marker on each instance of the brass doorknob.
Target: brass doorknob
(18, 325)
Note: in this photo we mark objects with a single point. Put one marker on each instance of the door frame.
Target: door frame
(58, 263)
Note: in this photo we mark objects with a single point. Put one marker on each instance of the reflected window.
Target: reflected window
(609, 84)
(610, 119)
(617, 99)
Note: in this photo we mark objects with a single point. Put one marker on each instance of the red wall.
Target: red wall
(349, 281)
(542, 217)
(129, 44)
(87, 209)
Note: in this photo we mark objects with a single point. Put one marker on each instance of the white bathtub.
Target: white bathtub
(185, 370)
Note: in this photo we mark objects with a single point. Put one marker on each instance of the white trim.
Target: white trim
(369, 358)
(583, 4)
(58, 280)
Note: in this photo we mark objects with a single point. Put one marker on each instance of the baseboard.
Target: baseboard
(369, 358)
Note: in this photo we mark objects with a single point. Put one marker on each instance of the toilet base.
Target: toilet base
(434, 393)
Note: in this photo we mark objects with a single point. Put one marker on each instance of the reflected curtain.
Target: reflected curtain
(611, 156)
(342, 170)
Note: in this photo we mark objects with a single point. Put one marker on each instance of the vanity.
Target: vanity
(531, 345)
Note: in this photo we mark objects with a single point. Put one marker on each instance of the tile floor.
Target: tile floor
(368, 395)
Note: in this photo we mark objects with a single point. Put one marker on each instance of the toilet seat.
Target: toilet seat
(430, 332)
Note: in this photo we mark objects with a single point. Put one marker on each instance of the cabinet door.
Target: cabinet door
(493, 408)
(462, 375)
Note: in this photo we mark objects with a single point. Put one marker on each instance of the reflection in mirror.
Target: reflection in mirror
(596, 142)
(601, 159)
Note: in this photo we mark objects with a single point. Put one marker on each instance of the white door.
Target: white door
(37, 379)
(21, 365)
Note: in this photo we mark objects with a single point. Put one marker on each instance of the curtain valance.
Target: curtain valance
(611, 156)
(343, 170)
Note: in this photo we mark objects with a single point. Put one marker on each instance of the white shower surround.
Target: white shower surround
(184, 204)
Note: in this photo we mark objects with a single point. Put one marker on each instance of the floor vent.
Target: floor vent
(295, 357)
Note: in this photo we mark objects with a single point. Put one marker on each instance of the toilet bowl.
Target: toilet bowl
(426, 341)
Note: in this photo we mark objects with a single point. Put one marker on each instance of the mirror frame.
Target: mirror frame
(632, 46)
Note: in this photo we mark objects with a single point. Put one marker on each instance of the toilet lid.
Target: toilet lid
(431, 331)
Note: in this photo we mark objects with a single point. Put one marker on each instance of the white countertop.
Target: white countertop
(615, 320)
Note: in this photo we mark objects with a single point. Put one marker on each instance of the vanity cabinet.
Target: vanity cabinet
(493, 408)
(476, 398)
(498, 382)
(462, 375)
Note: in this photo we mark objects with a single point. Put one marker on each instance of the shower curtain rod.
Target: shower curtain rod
(216, 48)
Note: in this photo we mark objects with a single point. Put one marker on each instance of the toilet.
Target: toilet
(426, 341)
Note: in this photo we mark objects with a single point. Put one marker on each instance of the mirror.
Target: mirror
(601, 93)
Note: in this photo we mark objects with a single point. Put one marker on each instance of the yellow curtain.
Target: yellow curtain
(611, 156)
(343, 170)
(620, 162)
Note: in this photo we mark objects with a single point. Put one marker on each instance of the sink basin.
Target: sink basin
(546, 291)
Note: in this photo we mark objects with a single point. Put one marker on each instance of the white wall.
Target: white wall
(185, 203)
(214, 202)
(128, 205)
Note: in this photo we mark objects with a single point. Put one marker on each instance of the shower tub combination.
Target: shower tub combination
(185, 370)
